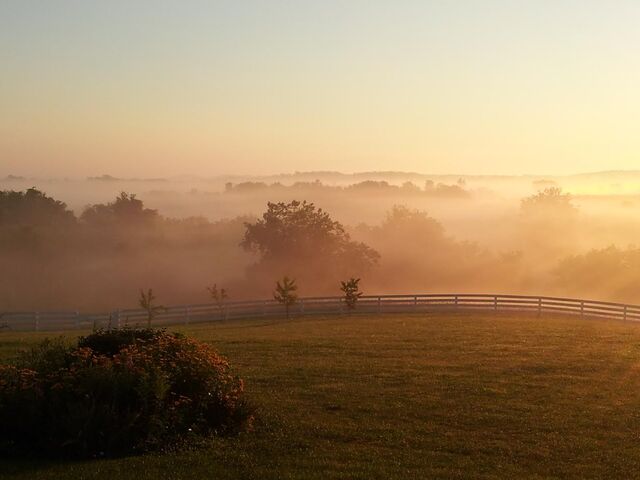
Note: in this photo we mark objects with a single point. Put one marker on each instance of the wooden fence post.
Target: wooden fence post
(539, 306)
(495, 303)
(415, 302)
(581, 309)
(379, 305)
(455, 302)
(625, 313)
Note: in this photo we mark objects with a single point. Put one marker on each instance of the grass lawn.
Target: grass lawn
(409, 396)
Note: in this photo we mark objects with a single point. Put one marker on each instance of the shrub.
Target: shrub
(118, 392)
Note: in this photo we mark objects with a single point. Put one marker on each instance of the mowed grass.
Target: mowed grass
(409, 396)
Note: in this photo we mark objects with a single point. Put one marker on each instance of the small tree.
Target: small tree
(218, 296)
(285, 293)
(351, 291)
(147, 302)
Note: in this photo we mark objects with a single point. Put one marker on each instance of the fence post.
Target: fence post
(539, 306)
(625, 313)
(301, 306)
(36, 321)
(581, 309)
(264, 308)
(118, 320)
(455, 301)
(379, 305)
(495, 303)
(415, 302)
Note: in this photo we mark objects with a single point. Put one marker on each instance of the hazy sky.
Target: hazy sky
(148, 88)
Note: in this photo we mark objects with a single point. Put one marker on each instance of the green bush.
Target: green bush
(118, 392)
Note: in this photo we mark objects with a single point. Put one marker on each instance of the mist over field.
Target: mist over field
(403, 232)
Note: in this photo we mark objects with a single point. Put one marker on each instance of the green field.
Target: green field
(410, 396)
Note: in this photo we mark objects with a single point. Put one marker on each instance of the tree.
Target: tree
(299, 237)
(549, 223)
(550, 201)
(285, 293)
(33, 207)
(218, 296)
(352, 293)
(147, 302)
(125, 209)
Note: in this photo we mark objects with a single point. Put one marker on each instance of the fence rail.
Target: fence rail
(189, 314)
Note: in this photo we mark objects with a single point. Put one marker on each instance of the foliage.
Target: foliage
(147, 302)
(305, 239)
(548, 224)
(126, 209)
(584, 274)
(285, 293)
(117, 392)
(551, 200)
(351, 291)
(33, 208)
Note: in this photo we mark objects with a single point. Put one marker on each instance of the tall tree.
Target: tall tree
(299, 237)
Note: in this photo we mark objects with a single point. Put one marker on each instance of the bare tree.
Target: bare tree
(351, 291)
(147, 302)
(285, 293)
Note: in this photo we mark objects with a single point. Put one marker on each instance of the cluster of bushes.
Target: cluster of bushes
(118, 392)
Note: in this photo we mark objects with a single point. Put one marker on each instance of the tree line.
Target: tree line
(51, 257)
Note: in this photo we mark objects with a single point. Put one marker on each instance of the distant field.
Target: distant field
(410, 396)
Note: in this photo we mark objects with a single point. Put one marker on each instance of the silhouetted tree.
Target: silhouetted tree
(304, 239)
(147, 302)
(125, 209)
(351, 291)
(32, 207)
(285, 293)
(548, 201)
(219, 296)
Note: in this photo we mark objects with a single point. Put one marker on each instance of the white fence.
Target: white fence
(189, 314)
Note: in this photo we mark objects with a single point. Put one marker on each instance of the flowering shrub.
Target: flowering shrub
(118, 392)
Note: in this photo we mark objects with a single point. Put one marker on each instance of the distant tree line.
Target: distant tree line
(429, 188)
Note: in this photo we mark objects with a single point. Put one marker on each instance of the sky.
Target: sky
(158, 88)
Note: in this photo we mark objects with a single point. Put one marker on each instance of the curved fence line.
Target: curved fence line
(189, 314)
